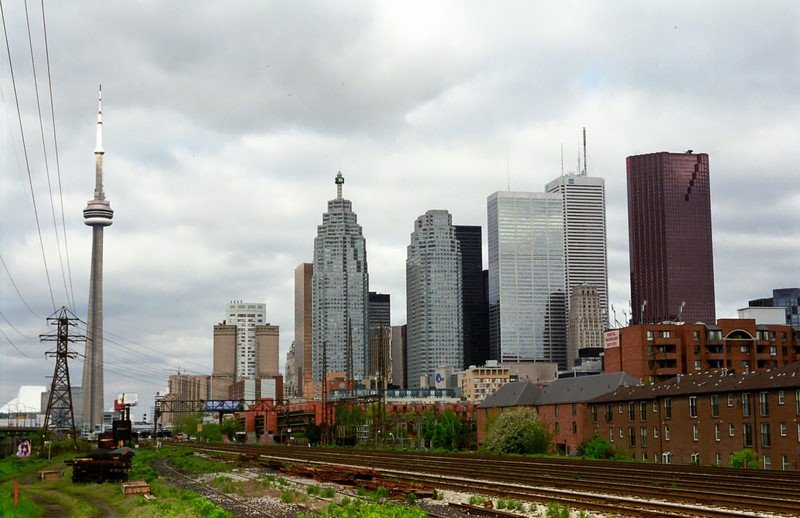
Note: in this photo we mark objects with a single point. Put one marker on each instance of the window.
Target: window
(762, 404)
(664, 334)
(783, 429)
(574, 428)
(730, 399)
(696, 349)
(611, 435)
(632, 436)
(731, 430)
(667, 408)
(555, 410)
(643, 411)
(655, 432)
(695, 458)
(744, 348)
(644, 456)
(574, 409)
(693, 406)
(649, 335)
(784, 462)
(594, 413)
(665, 457)
(714, 405)
(767, 461)
(773, 350)
(797, 401)
(698, 365)
(765, 440)
(655, 407)
(781, 397)
(608, 413)
(718, 459)
(631, 411)
(746, 404)
(621, 434)
(666, 431)
(643, 433)
(696, 335)
(619, 408)
(747, 435)
(695, 433)
(717, 432)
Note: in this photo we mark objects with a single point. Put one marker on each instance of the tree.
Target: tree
(745, 458)
(519, 431)
(229, 427)
(441, 430)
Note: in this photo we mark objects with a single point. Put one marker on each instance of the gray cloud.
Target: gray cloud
(225, 124)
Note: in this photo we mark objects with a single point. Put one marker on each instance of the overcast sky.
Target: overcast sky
(226, 122)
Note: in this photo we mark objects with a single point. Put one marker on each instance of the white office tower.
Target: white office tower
(527, 292)
(339, 288)
(433, 297)
(245, 316)
(583, 201)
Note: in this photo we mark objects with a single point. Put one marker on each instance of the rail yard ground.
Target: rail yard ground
(285, 482)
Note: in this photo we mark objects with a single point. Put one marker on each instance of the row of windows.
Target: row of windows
(745, 398)
(747, 433)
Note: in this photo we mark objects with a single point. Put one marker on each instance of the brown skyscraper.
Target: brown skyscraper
(669, 226)
(302, 326)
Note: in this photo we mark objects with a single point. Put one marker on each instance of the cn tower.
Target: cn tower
(97, 214)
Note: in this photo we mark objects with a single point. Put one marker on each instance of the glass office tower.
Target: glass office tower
(527, 287)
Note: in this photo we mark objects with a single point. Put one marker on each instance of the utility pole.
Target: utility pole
(59, 416)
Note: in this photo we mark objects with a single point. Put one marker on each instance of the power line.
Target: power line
(15, 286)
(14, 346)
(25, 152)
(14, 328)
(44, 149)
(58, 161)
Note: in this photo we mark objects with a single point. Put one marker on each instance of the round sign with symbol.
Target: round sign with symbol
(23, 448)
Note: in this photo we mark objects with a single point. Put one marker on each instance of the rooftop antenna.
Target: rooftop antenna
(508, 169)
(585, 169)
(562, 159)
(680, 311)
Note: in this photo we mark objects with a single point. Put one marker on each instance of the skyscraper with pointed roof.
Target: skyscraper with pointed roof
(339, 291)
(98, 215)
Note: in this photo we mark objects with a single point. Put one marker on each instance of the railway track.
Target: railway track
(239, 507)
(618, 488)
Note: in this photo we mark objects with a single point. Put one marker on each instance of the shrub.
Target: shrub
(744, 458)
(556, 510)
(596, 448)
(519, 431)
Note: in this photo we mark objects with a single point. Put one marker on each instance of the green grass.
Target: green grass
(25, 509)
(361, 509)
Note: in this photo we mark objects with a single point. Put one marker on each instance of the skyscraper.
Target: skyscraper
(527, 297)
(245, 316)
(340, 284)
(223, 373)
(399, 352)
(302, 328)
(380, 330)
(788, 298)
(434, 293)
(583, 201)
(98, 215)
(669, 227)
(585, 328)
(473, 300)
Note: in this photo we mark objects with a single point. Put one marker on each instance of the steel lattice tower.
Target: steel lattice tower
(59, 416)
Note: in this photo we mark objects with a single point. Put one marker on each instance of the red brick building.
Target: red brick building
(657, 352)
(704, 418)
(562, 405)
